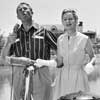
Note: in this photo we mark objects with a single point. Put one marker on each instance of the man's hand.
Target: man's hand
(12, 36)
(16, 27)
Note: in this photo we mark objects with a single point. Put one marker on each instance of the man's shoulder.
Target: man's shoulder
(36, 25)
(40, 30)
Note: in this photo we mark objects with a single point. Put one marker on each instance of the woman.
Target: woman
(72, 48)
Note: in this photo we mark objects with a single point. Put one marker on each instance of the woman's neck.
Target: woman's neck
(71, 32)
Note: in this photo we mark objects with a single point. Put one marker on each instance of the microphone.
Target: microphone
(16, 27)
(68, 37)
(17, 40)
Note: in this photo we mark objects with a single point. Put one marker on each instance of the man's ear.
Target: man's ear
(18, 17)
(32, 12)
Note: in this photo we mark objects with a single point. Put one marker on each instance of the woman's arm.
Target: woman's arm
(59, 58)
(59, 61)
(89, 50)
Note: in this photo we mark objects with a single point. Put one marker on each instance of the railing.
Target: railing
(7, 71)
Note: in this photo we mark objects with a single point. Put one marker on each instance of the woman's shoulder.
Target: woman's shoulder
(61, 37)
(81, 35)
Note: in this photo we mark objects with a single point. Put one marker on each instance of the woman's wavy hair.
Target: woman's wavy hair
(69, 11)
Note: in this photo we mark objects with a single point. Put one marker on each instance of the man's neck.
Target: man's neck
(27, 24)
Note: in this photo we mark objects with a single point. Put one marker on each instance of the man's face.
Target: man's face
(24, 12)
(69, 21)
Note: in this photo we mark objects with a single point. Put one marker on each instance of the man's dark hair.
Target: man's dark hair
(24, 3)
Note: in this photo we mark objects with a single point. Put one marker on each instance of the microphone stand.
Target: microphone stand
(30, 69)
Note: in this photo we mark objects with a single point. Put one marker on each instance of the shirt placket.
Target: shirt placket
(27, 45)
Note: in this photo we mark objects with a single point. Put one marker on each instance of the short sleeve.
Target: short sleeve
(51, 39)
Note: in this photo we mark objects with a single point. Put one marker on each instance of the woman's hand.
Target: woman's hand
(49, 63)
(39, 63)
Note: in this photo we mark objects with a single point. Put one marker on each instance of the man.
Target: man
(31, 42)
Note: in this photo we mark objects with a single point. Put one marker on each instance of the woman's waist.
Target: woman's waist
(73, 66)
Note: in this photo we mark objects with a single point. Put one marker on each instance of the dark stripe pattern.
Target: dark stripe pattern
(35, 43)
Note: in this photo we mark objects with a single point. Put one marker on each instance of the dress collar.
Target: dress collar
(66, 34)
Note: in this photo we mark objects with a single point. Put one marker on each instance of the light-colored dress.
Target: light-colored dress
(71, 77)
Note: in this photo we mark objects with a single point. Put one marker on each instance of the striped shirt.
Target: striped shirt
(35, 43)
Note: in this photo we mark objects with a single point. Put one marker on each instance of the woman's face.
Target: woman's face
(69, 21)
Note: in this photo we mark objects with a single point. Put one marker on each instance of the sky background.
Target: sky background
(49, 12)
